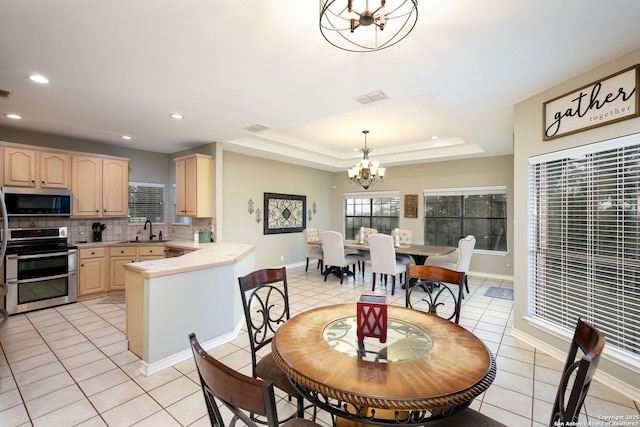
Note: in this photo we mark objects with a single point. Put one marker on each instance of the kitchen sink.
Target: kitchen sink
(144, 242)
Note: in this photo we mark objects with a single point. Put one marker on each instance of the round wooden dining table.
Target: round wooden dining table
(428, 368)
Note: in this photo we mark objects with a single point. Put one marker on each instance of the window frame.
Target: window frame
(162, 203)
(580, 257)
(377, 195)
(464, 192)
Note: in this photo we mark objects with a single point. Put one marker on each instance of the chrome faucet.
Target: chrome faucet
(151, 235)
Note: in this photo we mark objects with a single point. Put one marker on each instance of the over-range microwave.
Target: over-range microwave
(37, 201)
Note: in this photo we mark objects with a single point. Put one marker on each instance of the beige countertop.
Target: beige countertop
(204, 255)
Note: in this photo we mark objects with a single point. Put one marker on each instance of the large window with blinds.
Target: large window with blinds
(584, 239)
(379, 210)
(146, 201)
(453, 213)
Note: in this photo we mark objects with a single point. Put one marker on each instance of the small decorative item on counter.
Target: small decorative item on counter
(397, 238)
(372, 317)
(196, 237)
(361, 236)
(160, 235)
(204, 236)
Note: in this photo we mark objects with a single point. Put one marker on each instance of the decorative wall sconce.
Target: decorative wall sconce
(250, 203)
(258, 216)
(314, 207)
(309, 217)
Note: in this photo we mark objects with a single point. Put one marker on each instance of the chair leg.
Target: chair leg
(373, 288)
(307, 267)
(466, 284)
(341, 274)
(393, 285)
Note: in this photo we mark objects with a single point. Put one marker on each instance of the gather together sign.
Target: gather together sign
(609, 100)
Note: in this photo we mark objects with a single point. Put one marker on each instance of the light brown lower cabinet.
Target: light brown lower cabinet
(92, 273)
(121, 255)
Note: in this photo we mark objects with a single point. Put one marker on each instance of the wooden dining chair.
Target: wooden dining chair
(265, 300)
(436, 290)
(581, 365)
(244, 396)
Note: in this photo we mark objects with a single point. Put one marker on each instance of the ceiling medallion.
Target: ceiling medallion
(367, 26)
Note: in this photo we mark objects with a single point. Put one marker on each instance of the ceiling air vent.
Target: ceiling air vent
(371, 97)
(5, 94)
(256, 128)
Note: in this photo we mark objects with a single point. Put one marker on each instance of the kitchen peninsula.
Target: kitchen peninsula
(169, 298)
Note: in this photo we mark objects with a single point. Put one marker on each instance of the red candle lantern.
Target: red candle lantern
(372, 317)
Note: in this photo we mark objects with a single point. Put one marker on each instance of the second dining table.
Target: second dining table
(428, 368)
(419, 253)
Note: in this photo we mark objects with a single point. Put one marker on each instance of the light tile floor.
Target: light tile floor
(69, 365)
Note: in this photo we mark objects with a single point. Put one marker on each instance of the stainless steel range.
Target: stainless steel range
(41, 269)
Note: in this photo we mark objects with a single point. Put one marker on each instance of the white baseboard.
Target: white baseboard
(167, 362)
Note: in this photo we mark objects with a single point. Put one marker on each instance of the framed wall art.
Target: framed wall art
(609, 100)
(411, 206)
(284, 213)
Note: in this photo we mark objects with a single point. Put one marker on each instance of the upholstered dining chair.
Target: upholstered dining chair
(437, 290)
(581, 365)
(334, 258)
(403, 237)
(243, 396)
(265, 300)
(313, 251)
(465, 251)
(364, 256)
(383, 260)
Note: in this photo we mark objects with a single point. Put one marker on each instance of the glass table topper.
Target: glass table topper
(404, 341)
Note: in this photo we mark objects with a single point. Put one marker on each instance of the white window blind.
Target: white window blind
(146, 201)
(584, 239)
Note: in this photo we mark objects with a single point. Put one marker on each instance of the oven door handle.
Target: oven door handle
(46, 255)
(40, 279)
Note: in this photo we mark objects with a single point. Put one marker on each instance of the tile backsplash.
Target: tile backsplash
(79, 229)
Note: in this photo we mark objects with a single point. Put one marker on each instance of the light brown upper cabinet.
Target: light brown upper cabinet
(99, 186)
(36, 168)
(194, 186)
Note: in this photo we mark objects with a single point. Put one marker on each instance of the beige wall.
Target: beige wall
(246, 177)
(413, 179)
(528, 142)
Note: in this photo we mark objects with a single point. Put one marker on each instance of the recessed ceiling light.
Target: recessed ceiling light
(176, 116)
(38, 78)
(127, 137)
(13, 116)
(435, 137)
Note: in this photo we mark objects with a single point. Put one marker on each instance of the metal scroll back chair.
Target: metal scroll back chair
(590, 342)
(311, 250)
(242, 395)
(265, 299)
(437, 290)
